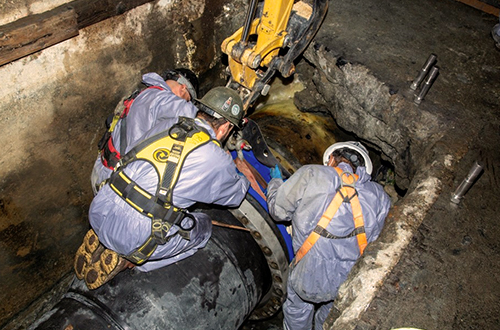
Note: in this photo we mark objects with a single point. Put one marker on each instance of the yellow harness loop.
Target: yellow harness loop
(346, 193)
(167, 152)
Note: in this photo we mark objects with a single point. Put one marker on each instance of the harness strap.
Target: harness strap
(140, 199)
(359, 223)
(166, 151)
(110, 156)
(326, 234)
(346, 193)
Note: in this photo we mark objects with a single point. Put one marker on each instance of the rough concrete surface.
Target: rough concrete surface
(443, 276)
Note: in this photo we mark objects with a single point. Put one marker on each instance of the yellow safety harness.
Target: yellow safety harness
(166, 151)
(346, 193)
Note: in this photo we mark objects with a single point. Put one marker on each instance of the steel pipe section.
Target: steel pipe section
(217, 288)
(240, 275)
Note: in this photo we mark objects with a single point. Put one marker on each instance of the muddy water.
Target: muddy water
(294, 137)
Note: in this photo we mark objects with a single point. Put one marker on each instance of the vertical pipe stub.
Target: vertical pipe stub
(474, 173)
(423, 72)
(428, 83)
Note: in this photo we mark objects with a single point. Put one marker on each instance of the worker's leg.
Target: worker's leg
(321, 315)
(298, 314)
(178, 248)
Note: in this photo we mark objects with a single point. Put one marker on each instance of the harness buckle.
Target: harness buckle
(343, 183)
(346, 198)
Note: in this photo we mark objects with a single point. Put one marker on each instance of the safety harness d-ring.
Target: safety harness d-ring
(343, 182)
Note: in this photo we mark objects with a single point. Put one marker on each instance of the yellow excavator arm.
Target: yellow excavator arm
(275, 33)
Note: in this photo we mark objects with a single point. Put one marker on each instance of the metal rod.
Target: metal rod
(427, 85)
(220, 224)
(248, 21)
(423, 72)
(467, 183)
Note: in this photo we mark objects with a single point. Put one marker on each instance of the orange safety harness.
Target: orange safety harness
(346, 193)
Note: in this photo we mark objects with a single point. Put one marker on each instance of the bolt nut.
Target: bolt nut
(256, 235)
(267, 251)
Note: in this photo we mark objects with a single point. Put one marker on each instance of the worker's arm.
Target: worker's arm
(284, 197)
(209, 176)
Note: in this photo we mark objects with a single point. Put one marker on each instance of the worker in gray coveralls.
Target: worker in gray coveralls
(166, 97)
(329, 235)
(139, 215)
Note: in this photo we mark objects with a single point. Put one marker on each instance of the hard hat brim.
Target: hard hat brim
(351, 145)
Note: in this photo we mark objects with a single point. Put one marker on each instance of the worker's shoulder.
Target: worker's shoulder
(314, 168)
(371, 188)
(320, 171)
(211, 154)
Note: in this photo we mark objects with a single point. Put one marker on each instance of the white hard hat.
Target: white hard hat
(354, 145)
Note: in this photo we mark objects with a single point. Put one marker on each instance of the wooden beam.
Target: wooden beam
(489, 9)
(93, 11)
(36, 32)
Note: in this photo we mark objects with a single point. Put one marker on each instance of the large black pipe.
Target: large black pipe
(217, 288)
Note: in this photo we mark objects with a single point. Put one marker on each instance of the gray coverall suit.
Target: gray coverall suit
(150, 107)
(209, 176)
(303, 199)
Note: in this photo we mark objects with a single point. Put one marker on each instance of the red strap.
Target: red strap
(128, 102)
(112, 152)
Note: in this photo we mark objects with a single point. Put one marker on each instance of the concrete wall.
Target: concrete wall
(52, 110)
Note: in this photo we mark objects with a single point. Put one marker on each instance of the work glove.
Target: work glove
(275, 172)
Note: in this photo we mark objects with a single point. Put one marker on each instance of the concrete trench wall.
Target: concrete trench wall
(422, 153)
(52, 110)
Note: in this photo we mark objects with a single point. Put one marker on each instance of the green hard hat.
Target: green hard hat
(224, 102)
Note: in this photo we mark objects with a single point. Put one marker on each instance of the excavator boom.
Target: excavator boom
(275, 33)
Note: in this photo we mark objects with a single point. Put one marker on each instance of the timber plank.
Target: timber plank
(36, 32)
(93, 11)
(33, 33)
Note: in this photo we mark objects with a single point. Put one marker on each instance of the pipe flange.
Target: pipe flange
(264, 231)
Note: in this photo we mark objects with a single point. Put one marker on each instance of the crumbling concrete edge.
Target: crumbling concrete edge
(366, 278)
(434, 168)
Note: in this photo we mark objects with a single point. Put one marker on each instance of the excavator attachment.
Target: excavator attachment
(275, 33)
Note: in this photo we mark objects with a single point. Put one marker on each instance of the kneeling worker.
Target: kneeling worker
(329, 235)
(139, 216)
